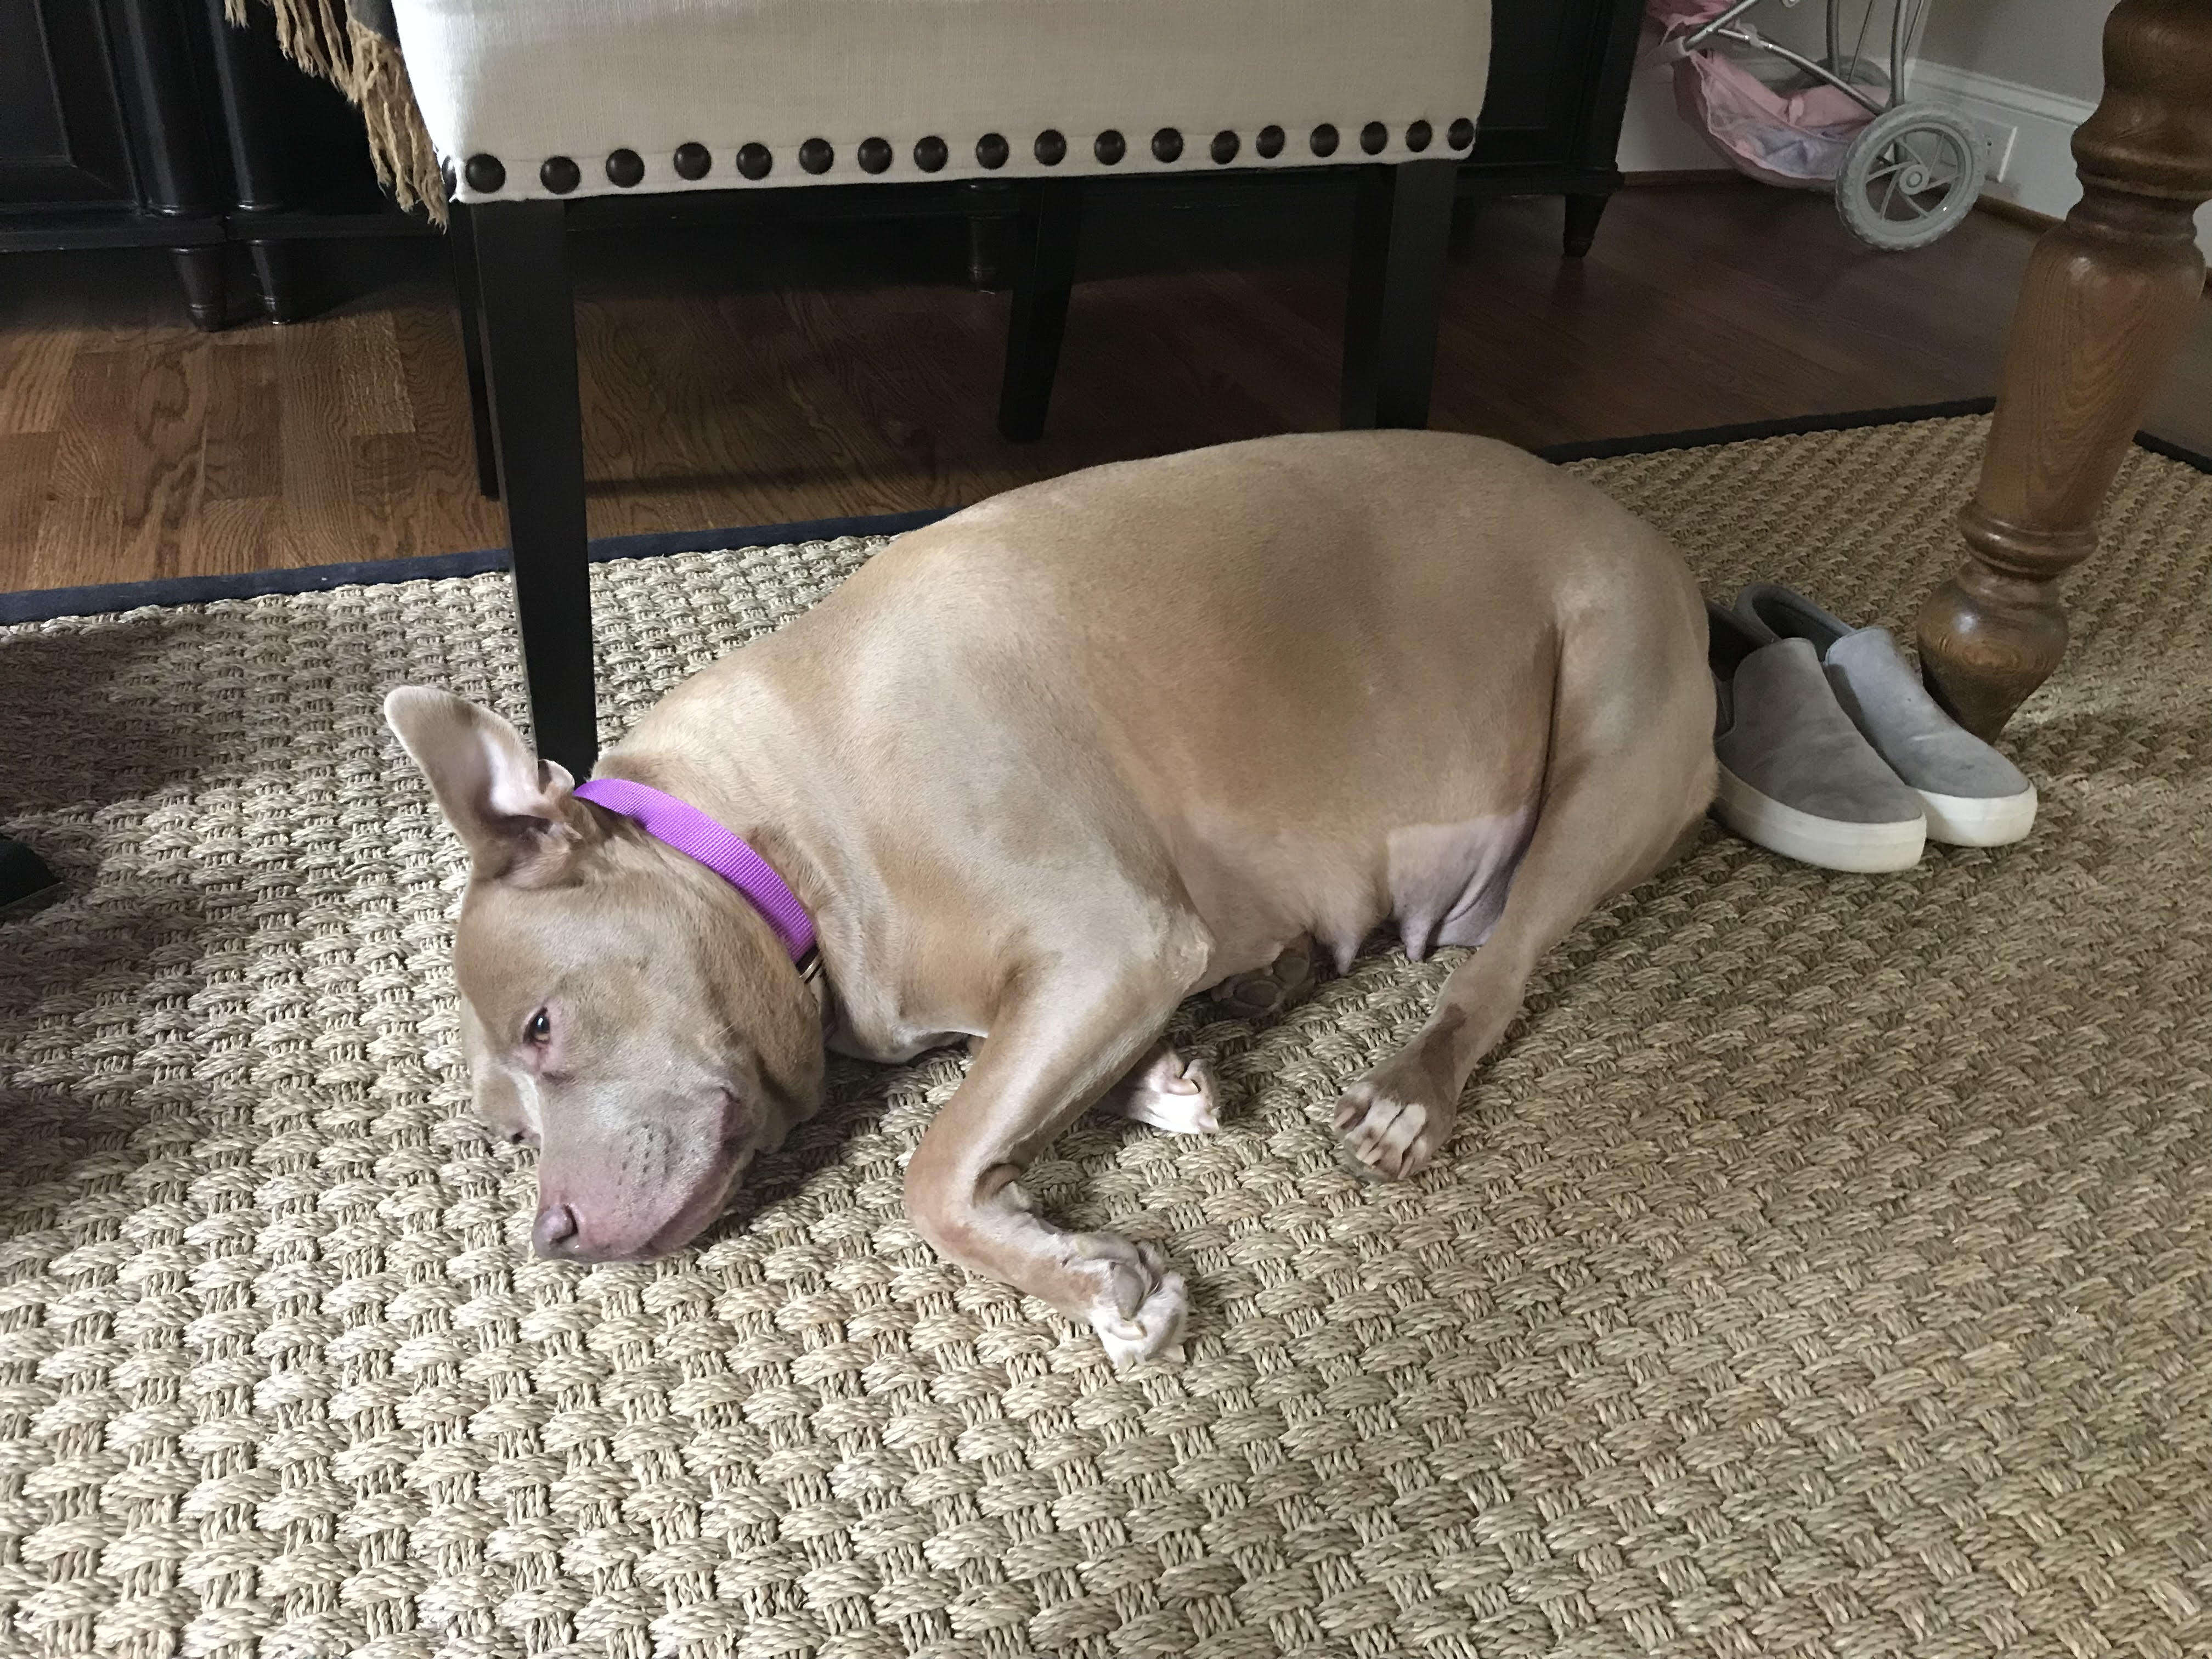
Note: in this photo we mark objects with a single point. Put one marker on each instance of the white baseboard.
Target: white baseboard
(2034, 167)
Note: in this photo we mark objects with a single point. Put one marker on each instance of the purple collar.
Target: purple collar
(690, 831)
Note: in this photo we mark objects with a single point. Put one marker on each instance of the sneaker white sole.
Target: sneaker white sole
(1978, 820)
(1830, 843)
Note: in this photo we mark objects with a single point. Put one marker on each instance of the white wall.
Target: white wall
(2050, 44)
(2034, 66)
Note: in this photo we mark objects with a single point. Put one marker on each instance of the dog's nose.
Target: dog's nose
(555, 1233)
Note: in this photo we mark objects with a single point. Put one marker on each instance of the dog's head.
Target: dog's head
(624, 1009)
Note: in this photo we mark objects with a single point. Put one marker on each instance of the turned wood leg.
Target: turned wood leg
(2109, 296)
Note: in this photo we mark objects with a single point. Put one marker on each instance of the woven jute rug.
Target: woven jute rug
(1823, 1268)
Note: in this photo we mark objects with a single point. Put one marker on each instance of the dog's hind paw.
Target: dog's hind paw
(1267, 992)
(1144, 1317)
(1169, 1093)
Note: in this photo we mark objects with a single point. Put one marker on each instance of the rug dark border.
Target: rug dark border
(46, 605)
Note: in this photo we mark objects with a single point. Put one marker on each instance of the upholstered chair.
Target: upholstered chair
(546, 111)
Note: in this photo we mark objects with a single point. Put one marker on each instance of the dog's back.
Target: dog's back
(1313, 674)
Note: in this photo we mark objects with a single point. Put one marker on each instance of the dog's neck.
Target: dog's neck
(858, 1007)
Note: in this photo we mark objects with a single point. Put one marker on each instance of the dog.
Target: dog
(1037, 773)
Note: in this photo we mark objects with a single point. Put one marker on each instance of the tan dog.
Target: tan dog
(1040, 771)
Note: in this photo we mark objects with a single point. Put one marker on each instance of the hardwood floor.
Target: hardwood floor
(848, 369)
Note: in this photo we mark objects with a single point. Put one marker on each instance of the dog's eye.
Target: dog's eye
(540, 1028)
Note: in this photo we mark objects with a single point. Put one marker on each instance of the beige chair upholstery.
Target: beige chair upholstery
(571, 98)
(533, 106)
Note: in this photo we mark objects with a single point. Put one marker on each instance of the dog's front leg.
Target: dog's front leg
(1068, 1038)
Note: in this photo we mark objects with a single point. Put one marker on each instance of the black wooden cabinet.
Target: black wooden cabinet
(152, 124)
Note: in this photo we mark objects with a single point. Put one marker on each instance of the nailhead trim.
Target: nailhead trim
(560, 174)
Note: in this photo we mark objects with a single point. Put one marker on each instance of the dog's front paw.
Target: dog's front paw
(1138, 1310)
(1394, 1119)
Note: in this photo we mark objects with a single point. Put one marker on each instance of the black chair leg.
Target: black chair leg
(529, 328)
(1050, 224)
(461, 246)
(1399, 240)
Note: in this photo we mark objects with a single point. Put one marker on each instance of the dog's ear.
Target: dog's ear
(514, 813)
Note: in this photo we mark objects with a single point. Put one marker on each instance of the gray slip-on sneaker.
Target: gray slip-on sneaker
(1972, 796)
(1796, 775)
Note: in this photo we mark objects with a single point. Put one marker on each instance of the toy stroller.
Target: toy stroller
(1904, 173)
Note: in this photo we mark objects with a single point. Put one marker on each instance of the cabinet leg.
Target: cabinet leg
(277, 270)
(2109, 297)
(990, 236)
(200, 273)
(1583, 213)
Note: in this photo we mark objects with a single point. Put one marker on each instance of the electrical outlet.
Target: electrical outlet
(1997, 138)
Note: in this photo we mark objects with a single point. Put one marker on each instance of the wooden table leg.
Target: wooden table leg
(2109, 296)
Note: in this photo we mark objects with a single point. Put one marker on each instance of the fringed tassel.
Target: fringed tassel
(322, 38)
(397, 141)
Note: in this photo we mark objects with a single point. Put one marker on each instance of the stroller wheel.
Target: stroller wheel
(1911, 174)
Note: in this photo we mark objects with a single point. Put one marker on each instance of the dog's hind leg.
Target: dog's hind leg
(1267, 992)
(1630, 767)
(1167, 1091)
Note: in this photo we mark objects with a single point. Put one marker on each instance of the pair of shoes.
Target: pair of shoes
(25, 881)
(1832, 753)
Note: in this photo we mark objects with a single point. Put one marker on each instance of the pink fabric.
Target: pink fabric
(1796, 138)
